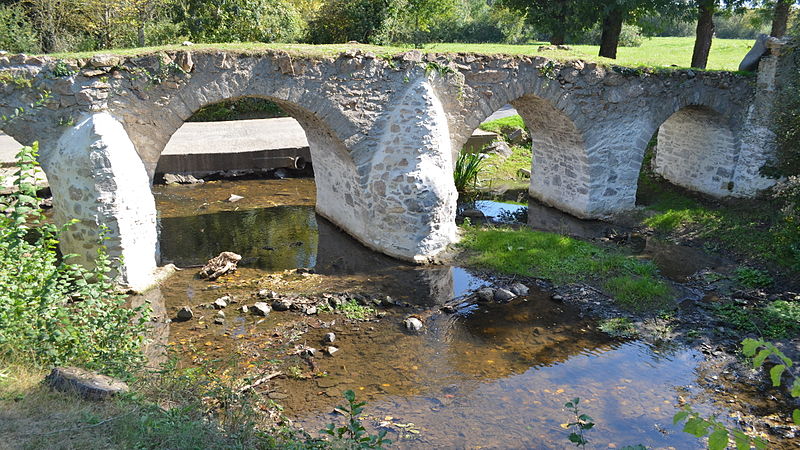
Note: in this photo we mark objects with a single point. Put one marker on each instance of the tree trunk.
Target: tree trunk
(612, 28)
(141, 35)
(705, 33)
(780, 17)
(558, 37)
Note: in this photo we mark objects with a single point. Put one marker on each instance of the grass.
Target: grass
(560, 259)
(776, 320)
(620, 327)
(504, 125)
(664, 52)
(202, 409)
(751, 228)
(498, 169)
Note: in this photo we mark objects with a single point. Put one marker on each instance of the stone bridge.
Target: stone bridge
(383, 133)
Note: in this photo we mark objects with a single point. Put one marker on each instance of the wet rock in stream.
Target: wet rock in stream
(412, 324)
(329, 338)
(503, 295)
(184, 314)
(281, 305)
(519, 289)
(261, 309)
(221, 302)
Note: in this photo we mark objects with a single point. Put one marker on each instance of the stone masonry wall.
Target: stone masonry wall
(382, 131)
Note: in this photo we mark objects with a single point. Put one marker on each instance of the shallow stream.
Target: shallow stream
(493, 376)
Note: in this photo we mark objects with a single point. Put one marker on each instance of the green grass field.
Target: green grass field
(654, 52)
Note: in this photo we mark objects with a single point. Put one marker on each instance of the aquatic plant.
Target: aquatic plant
(468, 165)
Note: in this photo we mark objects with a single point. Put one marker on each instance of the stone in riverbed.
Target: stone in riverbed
(412, 324)
(266, 293)
(330, 350)
(218, 266)
(311, 310)
(281, 305)
(485, 294)
(503, 295)
(184, 314)
(309, 352)
(221, 302)
(329, 338)
(519, 289)
(261, 309)
(87, 384)
(235, 198)
(244, 309)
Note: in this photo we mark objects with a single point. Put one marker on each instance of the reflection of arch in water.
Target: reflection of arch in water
(520, 336)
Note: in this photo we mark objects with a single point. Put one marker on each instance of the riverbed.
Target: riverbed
(489, 376)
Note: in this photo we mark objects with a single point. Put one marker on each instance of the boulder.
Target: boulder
(261, 309)
(221, 302)
(518, 136)
(412, 324)
(753, 57)
(266, 293)
(485, 294)
(519, 289)
(184, 314)
(87, 384)
(503, 295)
(281, 305)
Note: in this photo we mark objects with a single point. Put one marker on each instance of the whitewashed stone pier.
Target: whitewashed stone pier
(383, 133)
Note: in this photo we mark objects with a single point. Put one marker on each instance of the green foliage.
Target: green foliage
(248, 107)
(467, 168)
(620, 327)
(776, 320)
(562, 259)
(53, 312)
(758, 229)
(752, 278)
(639, 294)
(786, 125)
(60, 69)
(340, 21)
(351, 309)
(579, 425)
(631, 36)
(16, 30)
(353, 431)
(718, 434)
(8, 78)
(239, 20)
(761, 351)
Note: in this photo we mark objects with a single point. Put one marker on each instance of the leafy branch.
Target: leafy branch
(353, 430)
(760, 351)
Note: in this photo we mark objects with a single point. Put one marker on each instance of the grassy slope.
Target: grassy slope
(655, 52)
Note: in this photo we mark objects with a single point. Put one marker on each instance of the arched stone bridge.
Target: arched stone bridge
(383, 133)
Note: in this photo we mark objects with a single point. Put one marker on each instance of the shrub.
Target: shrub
(53, 312)
(16, 32)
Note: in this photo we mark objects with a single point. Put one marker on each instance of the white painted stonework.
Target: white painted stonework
(383, 134)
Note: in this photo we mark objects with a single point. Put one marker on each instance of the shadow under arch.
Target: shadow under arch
(697, 149)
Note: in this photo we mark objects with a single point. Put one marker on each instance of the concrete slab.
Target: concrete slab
(9, 148)
(236, 136)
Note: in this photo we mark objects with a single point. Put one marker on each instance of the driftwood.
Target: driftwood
(216, 267)
(260, 381)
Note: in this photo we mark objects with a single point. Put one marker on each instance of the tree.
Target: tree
(349, 20)
(419, 15)
(52, 18)
(238, 20)
(705, 27)
(780, 17)
(557, 18)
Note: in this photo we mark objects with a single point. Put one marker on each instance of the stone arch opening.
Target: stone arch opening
(560, 167)
(696, 149)
(272, 227)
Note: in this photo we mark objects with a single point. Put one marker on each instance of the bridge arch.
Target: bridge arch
(561, 173)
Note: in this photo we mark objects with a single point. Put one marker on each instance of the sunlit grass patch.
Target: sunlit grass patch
(562, 260)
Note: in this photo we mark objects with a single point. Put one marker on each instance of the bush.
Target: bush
(631, 36)
(52, 312)
(249, 107)
(240, 21)
(16, 32)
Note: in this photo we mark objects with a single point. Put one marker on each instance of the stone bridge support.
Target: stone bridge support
(99, 182)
